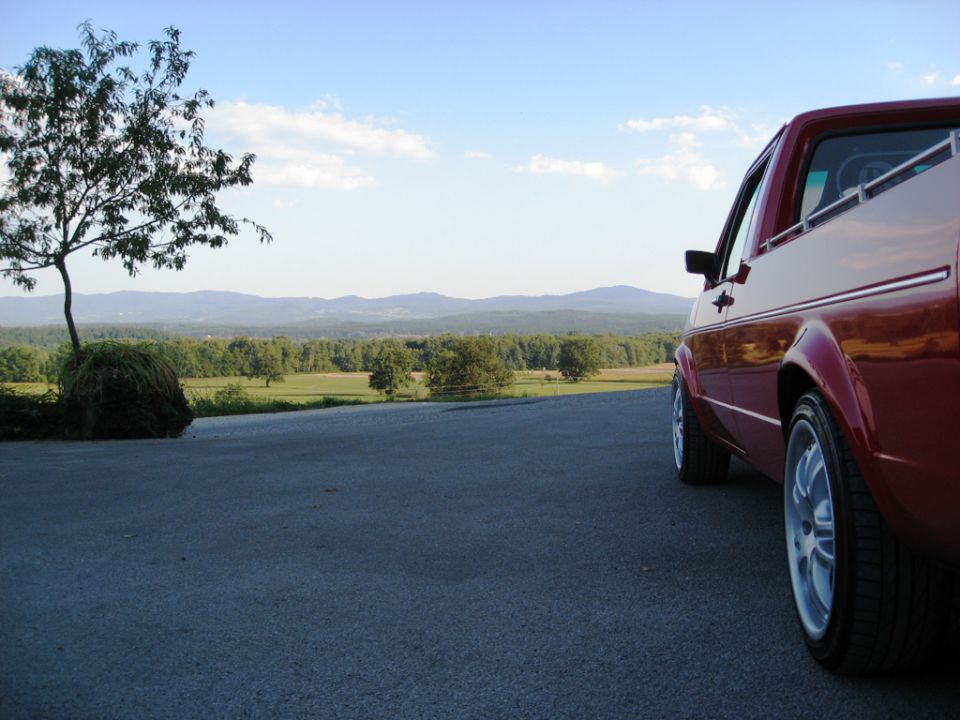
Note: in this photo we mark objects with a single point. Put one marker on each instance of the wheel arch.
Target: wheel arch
(793, 382)
(685, 366)
(816, 361)
(683, 362)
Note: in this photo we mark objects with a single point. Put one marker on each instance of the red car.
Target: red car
(824, 350)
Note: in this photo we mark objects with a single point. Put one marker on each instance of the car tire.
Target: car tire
(865, 603)
(698, 460)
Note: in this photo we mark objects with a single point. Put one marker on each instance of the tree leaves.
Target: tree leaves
(580, 357)
(391, 368)
(468, 365)
(104, 158)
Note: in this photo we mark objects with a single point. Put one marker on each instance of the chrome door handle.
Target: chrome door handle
(721, 301)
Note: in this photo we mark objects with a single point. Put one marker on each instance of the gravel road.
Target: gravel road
(522, 559)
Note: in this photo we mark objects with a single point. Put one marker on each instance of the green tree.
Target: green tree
(391, 369)
(468, 365)
(213, 358)
(20, 363)
(258, 359)
(181, 353)
(284, 348)
(580, 357)
(107, 160)
(347, 356)
(315, 357)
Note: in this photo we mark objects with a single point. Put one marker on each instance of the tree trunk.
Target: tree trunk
(61, 264)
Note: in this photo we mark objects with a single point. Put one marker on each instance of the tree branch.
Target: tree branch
(29, 268)
(74, 245)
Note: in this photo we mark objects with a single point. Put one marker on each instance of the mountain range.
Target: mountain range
(412, 314)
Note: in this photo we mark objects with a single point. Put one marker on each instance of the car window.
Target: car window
(839, 164)
(743, 223)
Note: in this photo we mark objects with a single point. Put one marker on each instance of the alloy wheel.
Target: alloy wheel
(810, 529)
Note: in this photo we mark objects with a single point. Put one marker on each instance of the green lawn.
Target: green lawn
(531, 383)
(353, 386)
(295, 388)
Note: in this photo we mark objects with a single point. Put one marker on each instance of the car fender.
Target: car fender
(686, 366)
(683, 359)
(816, 354)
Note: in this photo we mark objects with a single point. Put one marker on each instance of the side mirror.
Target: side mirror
(701, 262)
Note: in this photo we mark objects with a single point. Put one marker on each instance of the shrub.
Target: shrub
(235, 400)
(29, 417)
(116, 390)
(230, 400)
(232, 393)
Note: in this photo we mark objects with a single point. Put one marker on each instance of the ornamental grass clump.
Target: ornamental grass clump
(114, 390)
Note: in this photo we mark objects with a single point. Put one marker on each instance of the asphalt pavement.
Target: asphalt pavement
(524, 559)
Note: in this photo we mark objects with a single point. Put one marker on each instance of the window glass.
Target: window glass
(813, 191)
(839, 164)
(743, 224)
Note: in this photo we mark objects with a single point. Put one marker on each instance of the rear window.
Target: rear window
(840, 163)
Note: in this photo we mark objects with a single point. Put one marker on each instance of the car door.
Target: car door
(707, 339)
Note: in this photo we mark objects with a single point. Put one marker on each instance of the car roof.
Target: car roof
(899, 107)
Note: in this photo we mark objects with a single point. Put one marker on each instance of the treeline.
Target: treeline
(273, 358)
(51, 337)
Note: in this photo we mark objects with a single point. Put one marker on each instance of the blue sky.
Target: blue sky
(499, 147)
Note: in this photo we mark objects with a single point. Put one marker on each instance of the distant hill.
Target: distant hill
(599, 310)
(554, 322)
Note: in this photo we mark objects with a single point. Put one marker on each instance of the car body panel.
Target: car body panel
(863, 307)
(712, 380)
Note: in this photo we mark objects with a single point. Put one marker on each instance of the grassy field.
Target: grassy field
(535, 383)
(305, 388)
(353, 386)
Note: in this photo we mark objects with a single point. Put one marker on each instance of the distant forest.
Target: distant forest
(34, 354)
(551, 322)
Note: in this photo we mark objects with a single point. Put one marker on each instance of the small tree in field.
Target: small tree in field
(579, 358)
(259, 359)
(110, 160)
(468, 365)
(391, 369)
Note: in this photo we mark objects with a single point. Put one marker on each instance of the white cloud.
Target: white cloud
(956, 80)
(476, 155)
(893, 65)
(930, 79)
(685, 139)
(305, 148)
(326, 102)
(283, 204)
(686, 165)
(318, 171)
(709, 119)
(542, 165)
(260, 121)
